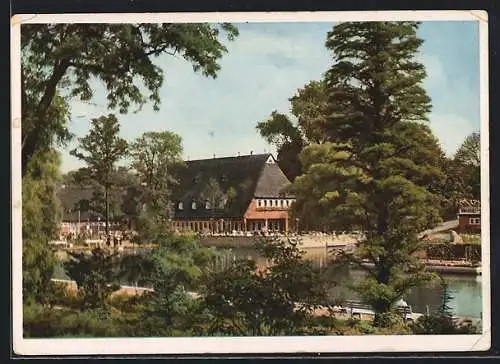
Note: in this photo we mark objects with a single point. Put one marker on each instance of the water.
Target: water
(465, 290)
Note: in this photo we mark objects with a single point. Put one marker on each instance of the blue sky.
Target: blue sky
(264, 67)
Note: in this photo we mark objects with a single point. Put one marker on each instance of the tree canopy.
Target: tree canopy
(156, 156)
(290, 134)
(377, 170)
(59, 61)
(100, 149)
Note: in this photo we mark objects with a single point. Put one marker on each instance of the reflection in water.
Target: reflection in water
(465, 289)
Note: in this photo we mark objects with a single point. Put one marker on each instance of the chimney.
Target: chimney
(238, 154)
(251, 152)
(214, 155)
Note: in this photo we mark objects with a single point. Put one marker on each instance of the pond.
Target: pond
(466, 290)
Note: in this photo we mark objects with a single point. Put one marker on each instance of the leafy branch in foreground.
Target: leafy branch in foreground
(244, 299)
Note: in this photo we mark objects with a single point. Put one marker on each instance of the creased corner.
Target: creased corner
(483, 343)
(19, 19)
(480, 15)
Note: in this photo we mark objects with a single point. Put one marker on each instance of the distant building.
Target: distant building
(222, 195)
(75, 220)
(469, 216)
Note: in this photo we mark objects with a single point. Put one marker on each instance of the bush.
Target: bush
(388, 320)
(39, 322)
(442, 325)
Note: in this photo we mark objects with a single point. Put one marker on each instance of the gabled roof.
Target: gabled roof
(272, 182)
(244, 175)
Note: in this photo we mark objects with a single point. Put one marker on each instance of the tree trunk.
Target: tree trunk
(107, 214)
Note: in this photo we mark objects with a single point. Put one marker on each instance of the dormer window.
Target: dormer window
(208, 205)
(193, 205)
(180, 206)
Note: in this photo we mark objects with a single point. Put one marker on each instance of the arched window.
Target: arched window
(181, 206)
(193, 205)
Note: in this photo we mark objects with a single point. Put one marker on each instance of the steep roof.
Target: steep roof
(272, 182)
(244, 175)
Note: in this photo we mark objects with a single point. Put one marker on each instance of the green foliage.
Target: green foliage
(155, 158)
(378, 170)
(290, 134)
(172, 270)
(442, 325)
(468, 156)
(388, 320)
(469, 153)
(59, 60)
(40, 322)
(100, 149)
(96, 275)
(41, 209)
(38, 268)
(41, 213)
(214, 195)
(244, 300)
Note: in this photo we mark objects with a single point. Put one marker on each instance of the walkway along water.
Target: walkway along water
(350, 308)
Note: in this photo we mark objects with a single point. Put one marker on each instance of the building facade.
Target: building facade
(469, 216)
(245, 194)
(75, 221)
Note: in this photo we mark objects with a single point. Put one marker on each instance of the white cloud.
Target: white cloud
(436, 77)
(261, 71)
(451, 130)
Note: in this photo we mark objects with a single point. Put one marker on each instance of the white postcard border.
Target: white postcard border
(191, 345)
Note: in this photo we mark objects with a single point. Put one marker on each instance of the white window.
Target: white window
(474, 221)
(265, 203)
(208, 206)
(259, 203)
(181, 206)
(193, 205)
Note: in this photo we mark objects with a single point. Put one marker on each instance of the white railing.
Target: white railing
(470, 210)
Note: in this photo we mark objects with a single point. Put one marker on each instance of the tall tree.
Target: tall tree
(377, 170)
(100, 149)
(156, 157)
(59, 60)
(468, 156)
(41, 212)
(290, 134)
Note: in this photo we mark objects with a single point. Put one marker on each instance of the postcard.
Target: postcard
(228, 183)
